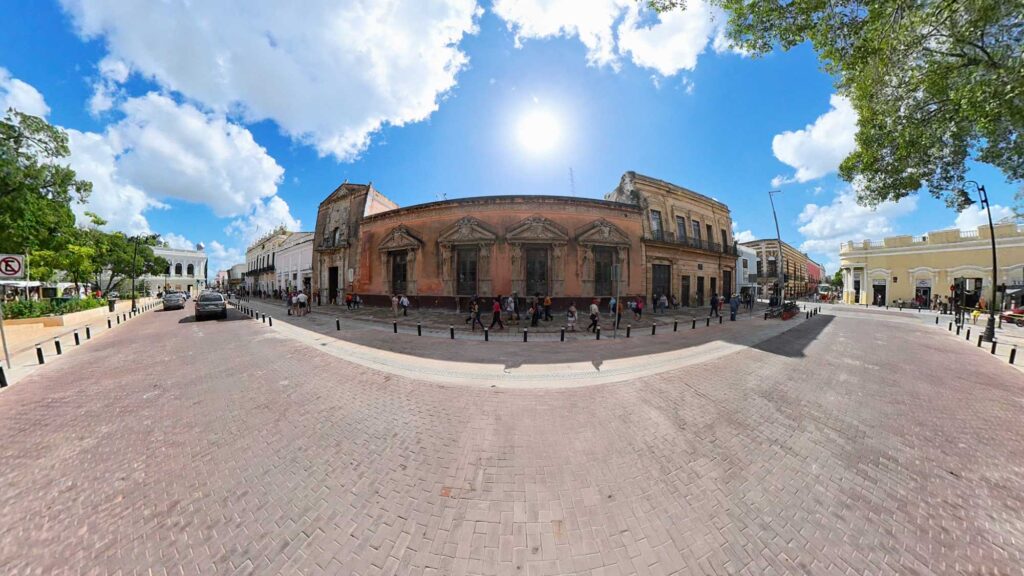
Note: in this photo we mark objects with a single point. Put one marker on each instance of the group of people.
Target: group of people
(537, 309)
(399, 302)
(353, 301)
(297, 302)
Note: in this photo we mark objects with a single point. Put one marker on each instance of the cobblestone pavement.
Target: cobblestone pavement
(865, 447)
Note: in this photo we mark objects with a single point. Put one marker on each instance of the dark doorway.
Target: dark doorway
(537, 271)
(686, 290)
(924, 296)
(604, 258)
(726, 281)
(714, 285)
(466, 270)
(399, 267)
(878, 294)
(700, 291)
(332, 284)
(856, 291)
(661, 279)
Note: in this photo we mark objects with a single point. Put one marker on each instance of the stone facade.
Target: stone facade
(186, 270)
(802, 275)
(568, 248)
(905, 267)
(293, 263)
(261, 262)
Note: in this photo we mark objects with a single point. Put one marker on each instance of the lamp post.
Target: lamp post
(778, 236)
(966, 201)
(135, 256)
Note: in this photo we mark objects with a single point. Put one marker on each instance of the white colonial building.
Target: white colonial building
(746, 270)
(261, 262)
(294, 262)
(186, 271)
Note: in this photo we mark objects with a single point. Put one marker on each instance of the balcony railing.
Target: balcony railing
(698, 244)
(259, 271)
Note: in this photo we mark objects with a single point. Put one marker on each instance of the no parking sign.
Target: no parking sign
(12, 266)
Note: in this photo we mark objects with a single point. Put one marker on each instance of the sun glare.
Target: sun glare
(539, 131)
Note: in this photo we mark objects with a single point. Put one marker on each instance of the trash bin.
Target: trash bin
(111, 303)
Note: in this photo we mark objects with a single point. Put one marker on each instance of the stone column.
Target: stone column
(385, 272)
(558, 269)
(447, 281)
(410, 271)
(518, 274)
(484, 269)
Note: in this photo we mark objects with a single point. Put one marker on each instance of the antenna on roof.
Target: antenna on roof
(572, 183)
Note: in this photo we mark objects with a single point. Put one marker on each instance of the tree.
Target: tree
(36, 190)
(837, 279)
(935, 83)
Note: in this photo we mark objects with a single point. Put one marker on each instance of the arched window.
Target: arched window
(177, 269)
(191, 270)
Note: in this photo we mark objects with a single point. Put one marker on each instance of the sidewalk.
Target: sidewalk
(23, 339)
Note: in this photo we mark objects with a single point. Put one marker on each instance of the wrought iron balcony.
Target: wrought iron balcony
(695, 243)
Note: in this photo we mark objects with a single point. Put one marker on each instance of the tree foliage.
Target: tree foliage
(935, 83)
(36, 190)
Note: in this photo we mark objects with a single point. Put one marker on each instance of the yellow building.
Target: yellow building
(908, 268)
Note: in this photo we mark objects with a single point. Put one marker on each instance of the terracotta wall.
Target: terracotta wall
(500, 216)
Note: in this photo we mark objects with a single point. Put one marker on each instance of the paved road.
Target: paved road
(861, 447)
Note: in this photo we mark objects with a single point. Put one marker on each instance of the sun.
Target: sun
(539, 131)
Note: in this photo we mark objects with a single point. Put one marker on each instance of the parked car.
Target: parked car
(1014, 316)
(173, 301)
(211, 304)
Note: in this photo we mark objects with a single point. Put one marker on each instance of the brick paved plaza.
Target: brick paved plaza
(849, 444)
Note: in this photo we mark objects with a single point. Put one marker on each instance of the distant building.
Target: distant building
(911, 268)
(236, 276)
(294, 263)
(746, 271)
(220, 281)
(801, 274)
(186, 271)
(261, 260)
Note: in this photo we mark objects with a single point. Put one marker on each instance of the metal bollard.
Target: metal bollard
(419, 329)
(562, 337)
(694, 326)
(653, 328)
(487, 337)
(264, 319)
(78, 341)
(958, 330)
(765, 316)
(108, 323)
(526, 331)
(118, 319)
(720, 319)
(1013, 354)
(39, 355)
(968, 337)
(598, 332)
(708, 323)
(270, 320)
(628, 328)
(337, 323)
(936, 320)
(980, 336)
(993, 351)
(56, 346)
(451, 331)
(88, 332)
(675, 326)
(950, 327)
(3, 377)
(394, 326)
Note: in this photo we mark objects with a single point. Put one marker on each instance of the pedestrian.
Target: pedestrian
(595, 316)
(533, 315)
(303, 302)
(734, 306)
(394, 305)
(496, 313)
(714, 304)
(357, 301)
(348, 301)
(510, 309)
(638, 308)
(570, 317)
(664, 303)
(290, 304)
(547, 308)
(475, 310)
(618, 314)
(404, 303)
(674, 301)
(612, 305)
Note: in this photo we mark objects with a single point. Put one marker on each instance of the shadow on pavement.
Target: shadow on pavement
(792, 344)
(232, 317)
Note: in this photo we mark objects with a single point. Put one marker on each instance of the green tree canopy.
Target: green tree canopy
(935, 82)
(36, 190)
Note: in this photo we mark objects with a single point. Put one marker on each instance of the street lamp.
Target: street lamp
(778, 236)
(964, 202)
(135, 255)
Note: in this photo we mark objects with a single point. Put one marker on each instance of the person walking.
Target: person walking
(734, 306)
(714, 304)
(547, 309)
(533, 315)
(348, 301)
(612, 304)
(475, 311)
(570, 317)
(394, 305)
(404, 303)
(595, 316)
(303, 302)
(617, 314)
(664, 304)
(638, 308)
(496, 313)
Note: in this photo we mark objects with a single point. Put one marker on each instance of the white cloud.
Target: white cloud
(162, 150)
(673, 43)
(741, 235)
(222, 258)
(178, 241)
(666, 42)
(975, 216)
(825, 227)
(106, 90)
(21, 96)
(329, 74)
(820, 147)
(262, 218)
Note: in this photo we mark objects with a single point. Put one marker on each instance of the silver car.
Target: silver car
(211, 305)
(174, 301)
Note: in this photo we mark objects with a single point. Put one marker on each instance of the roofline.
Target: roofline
(504, 198)
(668, 184)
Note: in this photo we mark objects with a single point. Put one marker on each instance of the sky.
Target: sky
(215, 121)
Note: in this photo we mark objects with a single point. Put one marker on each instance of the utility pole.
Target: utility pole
(965, 201)
(778, 236)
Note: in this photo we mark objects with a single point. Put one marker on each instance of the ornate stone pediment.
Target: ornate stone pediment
(602, 232)
(467, 230)
(536, 229)
(400, 238)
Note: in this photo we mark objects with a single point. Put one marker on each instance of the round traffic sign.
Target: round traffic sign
(10, 266)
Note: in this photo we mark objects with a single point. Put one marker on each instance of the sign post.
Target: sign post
(12, 267)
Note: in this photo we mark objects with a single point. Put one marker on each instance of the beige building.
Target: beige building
(261, 261)
(802, 275)
(906, 267)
